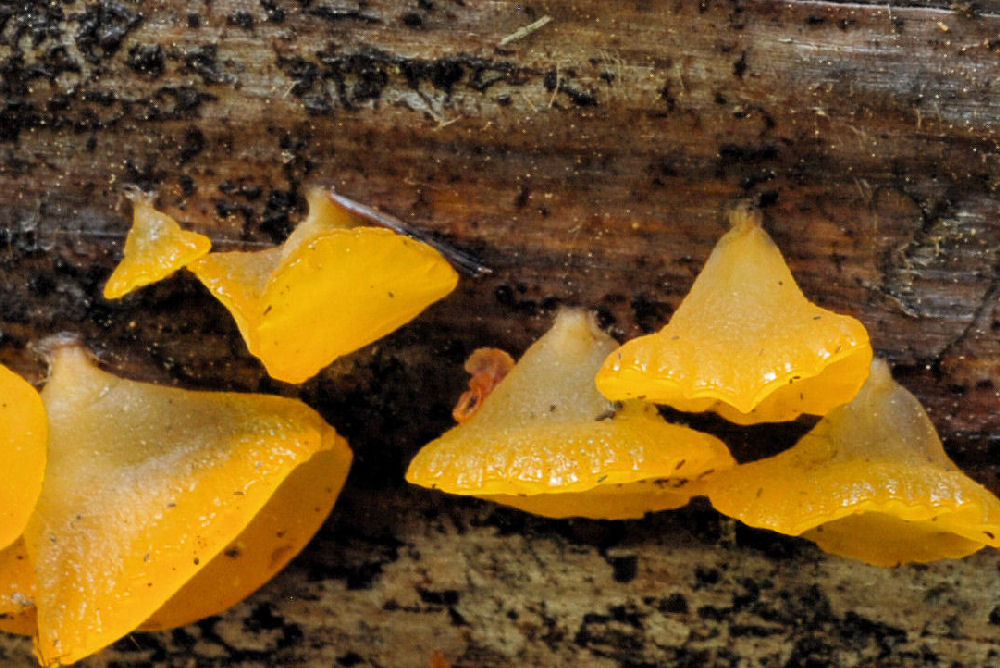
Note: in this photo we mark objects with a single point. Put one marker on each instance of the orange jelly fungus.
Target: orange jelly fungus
(745, 342)
(547, 442)
(23, 431)
(331, 288)
(274, 536)
(293, 514)
(488, 366)
(155, 247)
(148, 487)
(17, 590)
(871, 481)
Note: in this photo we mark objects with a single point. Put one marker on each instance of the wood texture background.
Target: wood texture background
(590, 163)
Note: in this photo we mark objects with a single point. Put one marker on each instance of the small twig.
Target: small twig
(463, 260)
(555, 89)
(524, 31)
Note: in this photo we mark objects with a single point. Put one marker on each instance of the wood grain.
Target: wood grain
(589, 163)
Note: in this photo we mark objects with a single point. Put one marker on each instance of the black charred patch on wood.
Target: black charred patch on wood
(102, 27)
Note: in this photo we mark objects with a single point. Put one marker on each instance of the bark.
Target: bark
(590, 162)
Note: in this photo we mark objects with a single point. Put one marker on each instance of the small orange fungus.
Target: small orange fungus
(547, 442)
(155, 247)
(871, 481)
(23, 431)
(745, 342)
(331, 288)
(147, 486)
(488, 366)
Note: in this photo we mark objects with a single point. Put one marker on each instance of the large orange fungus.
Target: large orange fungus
(23, 431)
(871, 481)
(333, 286)
(745, 342)
(151, 488)
(155, 247)
(544, 440)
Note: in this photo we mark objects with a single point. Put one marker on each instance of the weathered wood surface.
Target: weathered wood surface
(588, 163)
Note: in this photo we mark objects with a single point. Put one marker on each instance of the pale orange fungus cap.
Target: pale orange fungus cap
(547, 442)
(17, 591)
(331, 288)
(745, 342)
(146, 485)
(155, 247)
(871, 481)
(23, 432)
(274, 536)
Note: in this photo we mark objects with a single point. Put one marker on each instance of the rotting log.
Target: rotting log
(590, 162)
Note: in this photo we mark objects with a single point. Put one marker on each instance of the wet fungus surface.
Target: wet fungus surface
(155, 247)
(23, 433)
(547, 442)
(745, 342)
(334, 286)
(871, 481)
(148, 487)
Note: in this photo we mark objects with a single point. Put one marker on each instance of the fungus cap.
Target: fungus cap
(23, 433)
(155, 247)
(331, 288)
(745, 342)
(870, 481)
(546, 441)
(273, 537)
(145, 486)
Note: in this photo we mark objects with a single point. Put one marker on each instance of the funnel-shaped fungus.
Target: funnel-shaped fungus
(745, 342)
(331, 288)
(17, 591)
(23, 431)
(871, 481)
(145, 486)
(274, 536)
(277, 533)
(155, 247)
(547, 442)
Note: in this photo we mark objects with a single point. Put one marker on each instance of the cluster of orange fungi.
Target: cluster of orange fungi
(137, 506)
(221, 490)
(573, 429)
